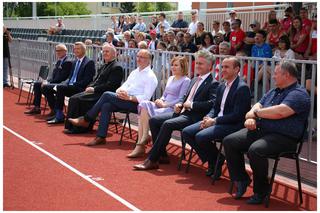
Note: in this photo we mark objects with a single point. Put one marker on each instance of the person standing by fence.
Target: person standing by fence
(6, 55)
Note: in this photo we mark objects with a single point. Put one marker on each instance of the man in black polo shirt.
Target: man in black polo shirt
(273, 125)
(179, 24)
(6, 55)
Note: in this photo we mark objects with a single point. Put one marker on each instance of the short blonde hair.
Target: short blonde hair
(183, 63)
(80, 43)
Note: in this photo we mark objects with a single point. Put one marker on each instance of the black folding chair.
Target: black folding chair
(126, 120)
(43, 74)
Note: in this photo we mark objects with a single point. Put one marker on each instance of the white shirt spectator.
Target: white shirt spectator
(193, 28)
(141, 84)
(287, 55)
(214, 32)
(224, 97)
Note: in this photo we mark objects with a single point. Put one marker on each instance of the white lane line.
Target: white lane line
(107, 191)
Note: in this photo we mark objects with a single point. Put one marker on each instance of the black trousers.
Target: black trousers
(79, 105)
(161, 127)
(258, 145)
(62, 92)
(47, 91)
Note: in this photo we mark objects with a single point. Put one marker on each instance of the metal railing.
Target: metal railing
(28, 56)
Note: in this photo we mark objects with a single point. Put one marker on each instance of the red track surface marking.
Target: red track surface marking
(105, 190)
(165, 189)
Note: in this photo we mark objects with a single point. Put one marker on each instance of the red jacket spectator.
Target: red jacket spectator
(299, 36)
(306, 23)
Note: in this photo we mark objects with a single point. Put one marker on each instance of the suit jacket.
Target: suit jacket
(237, 104)
(204, 97)
(61, 71)
(109, 78)
(86, 73)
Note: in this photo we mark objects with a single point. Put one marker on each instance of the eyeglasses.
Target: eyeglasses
(139, 56)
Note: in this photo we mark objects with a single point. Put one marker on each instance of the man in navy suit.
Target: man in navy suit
(196, 103)
(83, 71)
(226, 116)
(60, 73)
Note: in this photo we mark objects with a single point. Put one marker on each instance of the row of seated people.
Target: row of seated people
(202, 108)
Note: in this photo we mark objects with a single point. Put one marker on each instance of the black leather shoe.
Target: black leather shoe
(256, 199)
(33, 111)
(242, 188)
(210, 170)
(219, 168)
(51, 117)
(56, 121)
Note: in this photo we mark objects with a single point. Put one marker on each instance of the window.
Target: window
(114, 4)
(105, 4)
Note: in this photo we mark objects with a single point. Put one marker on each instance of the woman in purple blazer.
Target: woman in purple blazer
(176, 87)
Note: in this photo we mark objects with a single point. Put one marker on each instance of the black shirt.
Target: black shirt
(190, 48)
(180, 24)
(247, 47)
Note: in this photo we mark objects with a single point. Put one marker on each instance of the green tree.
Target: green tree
(24, 9)
(153, 6)
(127, 7)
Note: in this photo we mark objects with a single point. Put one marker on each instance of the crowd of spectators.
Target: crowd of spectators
(191, 37)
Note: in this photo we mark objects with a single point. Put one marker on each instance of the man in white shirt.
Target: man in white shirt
(193, 24)
(139, 87)
(227, 116)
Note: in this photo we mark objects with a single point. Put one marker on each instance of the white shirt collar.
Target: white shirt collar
(145, 69)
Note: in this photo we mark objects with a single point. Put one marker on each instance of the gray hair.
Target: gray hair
(289, 67)
(80, 43)
(226, 44)
(205, 54)
(235, 60)
(111, 47)
(62, 46)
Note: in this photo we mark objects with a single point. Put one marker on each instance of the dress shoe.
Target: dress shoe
(33, 111)
(256, 199)
(219, 168)
(97, 141)
(138, 151)
(68, 131)
(164, 160)
(56, 121)
(79, 122)
(51, 117)
(146, 165)
(51, 113)
(242, 188)
(6, 85)
(210, 170)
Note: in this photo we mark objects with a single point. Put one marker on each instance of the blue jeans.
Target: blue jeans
(108, 103)
(5, 70)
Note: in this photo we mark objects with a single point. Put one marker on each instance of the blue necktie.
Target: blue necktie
(75, 73)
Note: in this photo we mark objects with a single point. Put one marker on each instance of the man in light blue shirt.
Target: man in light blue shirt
(139, 87)
(140, 26)
(162, 22)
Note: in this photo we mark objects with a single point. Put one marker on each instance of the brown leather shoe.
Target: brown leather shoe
(79, 122)
(146, 165)
(97, 141)
(33, 111)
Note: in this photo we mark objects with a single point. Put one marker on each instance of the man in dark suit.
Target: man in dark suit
(196, 103)
(227, 116)
(109, 78)
(60, 73)
(83, 70)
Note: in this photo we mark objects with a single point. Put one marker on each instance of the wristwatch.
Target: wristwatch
(255, 112)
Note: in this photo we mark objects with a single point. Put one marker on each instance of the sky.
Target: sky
(184, 5)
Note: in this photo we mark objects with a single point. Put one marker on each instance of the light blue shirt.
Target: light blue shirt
(140, 27)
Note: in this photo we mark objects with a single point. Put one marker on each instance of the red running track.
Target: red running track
(34, 181)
